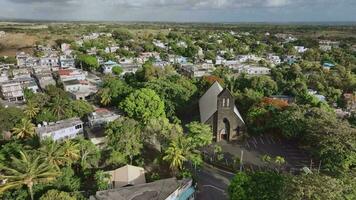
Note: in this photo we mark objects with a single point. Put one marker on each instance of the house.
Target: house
(21, 59)
(112, 49)
(129, 68)
(65, 129)
(66, 61)
(198, 70)
(316, 95)
(328, 65)
(274, 59)
(327, 45)
(71, 74)
(65, 47)
(101, 116)
(247, 58)
(3, 76)
(251, 70)
(300, 49)
(107, 66)
(177, 59)
(217, 108)
(79, 89)
(290, 59)
(127, 175)
(50, 60)
(21, 73)
(45, 79)
(159, 44)
(165, 189)
(12, 91)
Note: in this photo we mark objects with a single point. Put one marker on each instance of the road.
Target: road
(212, 183)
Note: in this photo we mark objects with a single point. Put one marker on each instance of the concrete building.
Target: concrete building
(66, 61)
(50, 60)
(165, 189)
(79, 89)
(101, 116)
(12, 91)
(251, 70)
(198, 70)
(217, 108)
(107, 66)
(65, 129)
(71, 74)
(45, 79)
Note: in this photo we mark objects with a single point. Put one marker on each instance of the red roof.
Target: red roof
(65, 72)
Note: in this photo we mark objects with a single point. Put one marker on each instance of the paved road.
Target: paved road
(212, 183)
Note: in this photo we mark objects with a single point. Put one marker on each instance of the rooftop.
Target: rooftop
(58, 125)
(158, 190)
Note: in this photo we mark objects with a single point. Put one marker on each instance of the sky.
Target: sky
(182, 10)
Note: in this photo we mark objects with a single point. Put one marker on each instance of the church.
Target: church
(217, 108)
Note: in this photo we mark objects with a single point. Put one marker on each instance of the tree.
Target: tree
(81, 108)
(25, 129)
(88, 62)
(102, 179)
(143, 105)
(174, 154)
(71, 151)
(59, 107)
(199, 134)
(31, 110)
(124, 136)
(9, 117)
(113, 91)
(175, 91)
(117, 70)
(257, 186)
(27, 170)
(56, 195)
(52, 152)
(89, 154)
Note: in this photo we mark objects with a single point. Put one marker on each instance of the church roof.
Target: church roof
(208, 103)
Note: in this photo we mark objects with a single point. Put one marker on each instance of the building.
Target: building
(107, 66)
(127, 175)
(198, 70)
(300, 49)
(51, 60)
(45, 79)
(274, 59)
(12, 91)
(217, 108)
(165, 189)
(327, 45)
(65, 129)
(251, 70)
(129, 68)
(101, 117)
(66, 61)
(79, 89)
(71, 74)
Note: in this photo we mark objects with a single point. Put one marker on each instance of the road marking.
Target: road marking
(221, 190)
(261, 140)
(254, 139)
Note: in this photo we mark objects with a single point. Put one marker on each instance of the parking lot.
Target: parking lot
(255, 147)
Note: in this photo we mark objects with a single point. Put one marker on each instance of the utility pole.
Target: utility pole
(319, 166)
(241, 158)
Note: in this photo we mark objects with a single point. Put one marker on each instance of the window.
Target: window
(223, 102)
(227, 102)
(78, 126)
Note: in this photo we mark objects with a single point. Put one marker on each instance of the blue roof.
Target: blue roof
(327, 64)
(186, 194)
(110, 63)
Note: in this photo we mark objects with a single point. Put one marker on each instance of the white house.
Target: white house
(12, 91)
(66, 61)
(65, 129)
(71, 74)
(107, 66)
(300, 49)
(101, 117)
(251, 70)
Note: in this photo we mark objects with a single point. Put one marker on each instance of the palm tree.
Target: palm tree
(175, 155)
(71, 151)
(58, 106)
(31, 110)
(53, 153)
(105, 97)
(24, 129)
(27, 170)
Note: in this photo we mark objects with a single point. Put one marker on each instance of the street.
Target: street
(212, 183)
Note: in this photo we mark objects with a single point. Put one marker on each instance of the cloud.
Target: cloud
(181, 10)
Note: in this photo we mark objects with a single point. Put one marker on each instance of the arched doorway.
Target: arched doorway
(226, 134)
